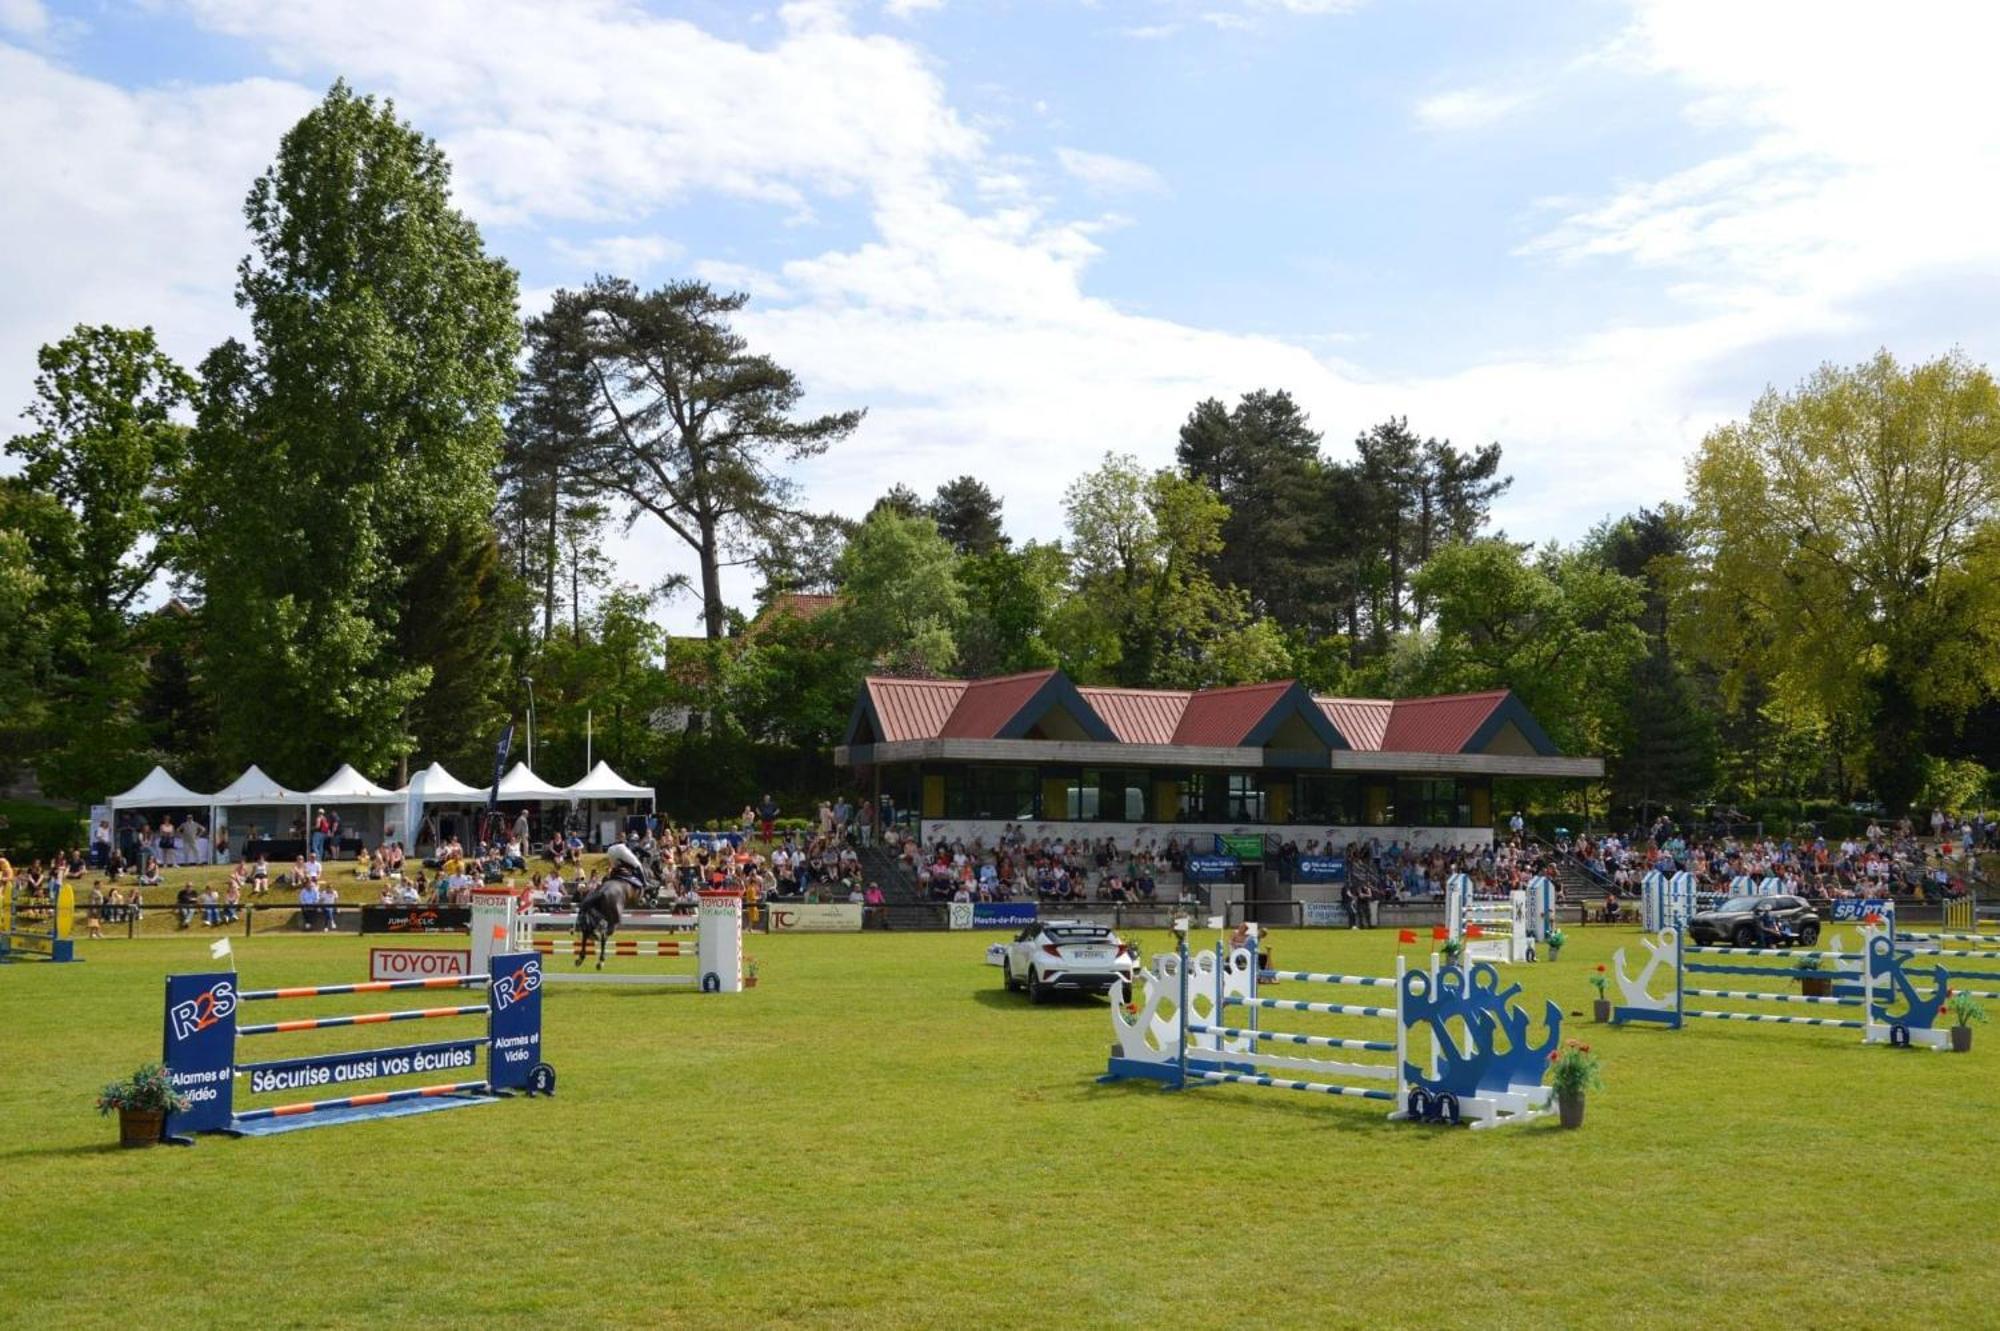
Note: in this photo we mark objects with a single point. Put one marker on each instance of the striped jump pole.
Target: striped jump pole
(369, 987)
(364, 1019)
(1761, 996)
(619, 948)
(1288, 1037)
(1301, 1005)
(1776, 1019)
(1318, 1088)
(357, 1101)
(1316, 977)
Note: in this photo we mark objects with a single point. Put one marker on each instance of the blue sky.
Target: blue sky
(1026, 232)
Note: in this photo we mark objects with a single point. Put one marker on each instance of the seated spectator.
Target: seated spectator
(185, 902)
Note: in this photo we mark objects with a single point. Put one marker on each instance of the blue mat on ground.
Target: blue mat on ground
(271, 1127)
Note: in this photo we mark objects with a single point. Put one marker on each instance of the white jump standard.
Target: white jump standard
(1509, 926)
(1481, 1068)
(1890, 1010)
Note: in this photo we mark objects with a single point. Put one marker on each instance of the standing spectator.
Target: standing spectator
(767, 816)
(521, 833)
(867, 819)
(95, 919)
(320, 828)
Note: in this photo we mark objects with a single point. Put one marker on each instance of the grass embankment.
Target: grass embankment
(877, 1135)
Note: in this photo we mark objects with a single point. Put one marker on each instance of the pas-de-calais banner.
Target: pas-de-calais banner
(500, 752)
(1214, 868)
(417, 963)
(1245, 846)
(809, 918)
(1321, 869)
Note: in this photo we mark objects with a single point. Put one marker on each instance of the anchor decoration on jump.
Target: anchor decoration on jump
(1638, 990)
(1889, 973)
(1502, 1052)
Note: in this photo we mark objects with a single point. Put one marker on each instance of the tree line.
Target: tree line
(358, 533)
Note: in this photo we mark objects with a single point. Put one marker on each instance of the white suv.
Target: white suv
(1067, 954)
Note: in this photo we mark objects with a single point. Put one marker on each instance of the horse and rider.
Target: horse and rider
(626, 884)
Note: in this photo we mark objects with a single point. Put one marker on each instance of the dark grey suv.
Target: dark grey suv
(1735, 922)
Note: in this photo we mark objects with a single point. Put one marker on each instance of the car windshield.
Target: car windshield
(1744, 905)
(1078, 933)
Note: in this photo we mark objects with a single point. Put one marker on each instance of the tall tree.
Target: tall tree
(901, 604)
(554, 418)
(696, 425)
(1847, 549)
(1011, 597)
(350, 451)
(108, 454)
(968, 515)
(1262, 459)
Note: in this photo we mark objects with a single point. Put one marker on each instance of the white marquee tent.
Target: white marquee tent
(522, 785)
(159, 791)
(601, 783)
(252, 791)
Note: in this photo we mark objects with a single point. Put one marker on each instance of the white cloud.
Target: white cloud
(1102, 173)
(1150, 32)
(623, 256)
(908, 8)
(1469, 108)
(27, 18)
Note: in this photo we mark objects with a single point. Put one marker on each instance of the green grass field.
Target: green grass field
(878, 1135)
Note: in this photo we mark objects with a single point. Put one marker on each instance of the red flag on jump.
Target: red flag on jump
(1406, 936)
(1439, 933)
(1474, 931)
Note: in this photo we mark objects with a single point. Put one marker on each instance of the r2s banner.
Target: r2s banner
(199, 1049)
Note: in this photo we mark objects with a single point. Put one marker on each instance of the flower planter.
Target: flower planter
(1961, 1039)
(749, 982)
(1569, 1108)
(140, 1127)
(1601, 1009)
(1555, 954)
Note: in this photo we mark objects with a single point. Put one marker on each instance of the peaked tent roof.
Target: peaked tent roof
(521, 783)
(348, 786)
(157, 791)
(601, 783)
(254, 787)
(434, 785)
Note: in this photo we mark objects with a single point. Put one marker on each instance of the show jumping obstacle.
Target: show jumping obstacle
(1953, 951)
(1890, 1010)
(498, 921)
(1963, 915)
(37, 927)
(1480, 1067)
(1508, 927)
(201, 1035)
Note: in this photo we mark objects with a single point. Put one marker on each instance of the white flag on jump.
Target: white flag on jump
(219, 949)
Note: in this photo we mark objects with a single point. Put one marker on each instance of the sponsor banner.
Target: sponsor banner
(1213, 868)
(415, 919)
(1324, 914)
(1246, 847)
(199, 1047)
(1856, 909)
(516, 1023)
(417, 963)
(1003, 914)
(808, 917)
(715, 840)
(318, 1071)
(1321, 869)
(959, 916)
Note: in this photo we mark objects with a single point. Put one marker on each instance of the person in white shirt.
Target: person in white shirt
(312, 870)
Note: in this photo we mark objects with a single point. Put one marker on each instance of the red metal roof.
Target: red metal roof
(1360, 721)
(1438, 725)
(913, 708)
(1139, 716)
(986, 705)
(979, 709)
(1223, 717)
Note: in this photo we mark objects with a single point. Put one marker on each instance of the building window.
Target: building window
(999, 793)
(1431, 802)
(1196, 788)
(1334, 800)
(1246, 798)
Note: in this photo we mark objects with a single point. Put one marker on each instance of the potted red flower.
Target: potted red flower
(1573, 1070)
(1601, 1009)
(143, 1102)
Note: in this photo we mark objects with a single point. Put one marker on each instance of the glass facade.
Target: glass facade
(1122, 795)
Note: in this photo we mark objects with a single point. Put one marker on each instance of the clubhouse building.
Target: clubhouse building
(965, 758)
